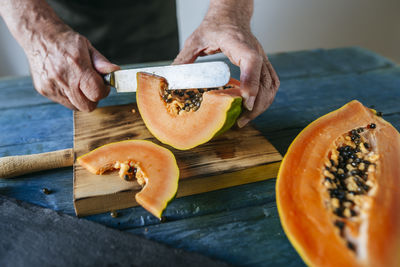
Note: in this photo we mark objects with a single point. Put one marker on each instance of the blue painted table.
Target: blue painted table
(239, 225)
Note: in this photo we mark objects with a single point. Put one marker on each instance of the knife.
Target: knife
(186, 76)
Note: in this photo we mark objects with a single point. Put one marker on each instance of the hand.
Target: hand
(66, 68)
(259, 81)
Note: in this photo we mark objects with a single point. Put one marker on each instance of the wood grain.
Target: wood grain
(234, 158)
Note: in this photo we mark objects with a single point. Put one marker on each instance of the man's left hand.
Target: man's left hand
(259, 81)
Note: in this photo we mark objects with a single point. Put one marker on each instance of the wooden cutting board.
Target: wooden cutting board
(239, 156)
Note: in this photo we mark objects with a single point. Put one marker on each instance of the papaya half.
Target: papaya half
(338, 190)
(185, 119)
(154, 167)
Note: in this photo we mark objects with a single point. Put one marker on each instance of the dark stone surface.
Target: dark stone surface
(35, 236)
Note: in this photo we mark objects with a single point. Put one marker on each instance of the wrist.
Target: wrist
(235, 13)
(32, 22)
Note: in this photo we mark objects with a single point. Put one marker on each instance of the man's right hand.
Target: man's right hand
(65, 67)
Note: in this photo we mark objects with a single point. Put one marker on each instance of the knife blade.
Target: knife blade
(186, 76)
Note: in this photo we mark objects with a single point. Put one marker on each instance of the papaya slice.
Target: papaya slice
(153, 166)
(338, 190)
(185, 119)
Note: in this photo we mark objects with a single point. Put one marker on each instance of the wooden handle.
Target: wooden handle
(18, 165)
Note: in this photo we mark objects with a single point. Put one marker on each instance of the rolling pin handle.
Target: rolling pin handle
(14, 166)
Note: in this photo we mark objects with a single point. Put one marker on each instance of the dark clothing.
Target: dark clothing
(124, 31)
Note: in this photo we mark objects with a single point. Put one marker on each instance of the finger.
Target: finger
(250, 70)
(64, 101)
(275, 78)
(250, 62)
(186, 56)
(78, 99)
(81, 102)
(100, 63)
(55, 94)
(264, 99)
(92, 86)
(189, 52)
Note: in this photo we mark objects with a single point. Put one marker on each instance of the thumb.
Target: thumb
(100, 63)
(187, 55)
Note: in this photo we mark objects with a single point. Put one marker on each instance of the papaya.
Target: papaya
(338, 190)
(186, 118)
(154, 167)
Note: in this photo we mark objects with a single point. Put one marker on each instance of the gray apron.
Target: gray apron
(124, 31)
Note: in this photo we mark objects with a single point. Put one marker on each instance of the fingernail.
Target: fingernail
(242, 122)
(250, 102)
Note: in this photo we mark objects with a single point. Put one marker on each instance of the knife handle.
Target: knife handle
(109, 79)
(18, 165)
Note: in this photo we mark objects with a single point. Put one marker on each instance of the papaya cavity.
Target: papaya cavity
(349, 180)
(187, 118)
(130, 170)
(338, 193)
(178, 101)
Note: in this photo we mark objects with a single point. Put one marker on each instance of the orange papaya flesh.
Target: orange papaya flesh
(153, 166)
(185, 119)
(338, 190)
